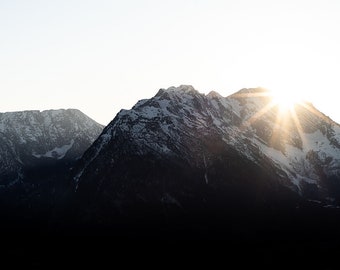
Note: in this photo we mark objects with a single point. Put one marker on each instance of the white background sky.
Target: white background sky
(100, 56)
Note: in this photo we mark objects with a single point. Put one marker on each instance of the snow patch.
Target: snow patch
(57, 152)
(319, 143)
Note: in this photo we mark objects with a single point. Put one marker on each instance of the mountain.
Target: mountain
(183, 153)
(31, 138)
(37, 149)
(234, 180)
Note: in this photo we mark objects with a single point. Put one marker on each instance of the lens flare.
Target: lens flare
(286, 101)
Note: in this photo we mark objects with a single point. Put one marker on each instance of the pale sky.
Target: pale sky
(100, 56)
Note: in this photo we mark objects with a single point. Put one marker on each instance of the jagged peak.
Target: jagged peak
(214, 94)
(181, 114)
(187, 89)
(182, 88)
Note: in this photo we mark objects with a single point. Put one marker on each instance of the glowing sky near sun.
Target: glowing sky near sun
(100, 56)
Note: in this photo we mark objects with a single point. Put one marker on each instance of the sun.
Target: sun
(286, 100)
(286, 109)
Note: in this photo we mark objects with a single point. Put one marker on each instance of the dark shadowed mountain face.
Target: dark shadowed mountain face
(206, 157)
(37, 150)
(235, 178)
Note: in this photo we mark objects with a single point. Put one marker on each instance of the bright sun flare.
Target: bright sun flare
(286, 100)
(290, 104)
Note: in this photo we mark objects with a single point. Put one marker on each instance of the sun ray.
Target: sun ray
(248, 95)
(317, 113)
(277, 128)
(298, 125)
(257, 115)
(286, 117)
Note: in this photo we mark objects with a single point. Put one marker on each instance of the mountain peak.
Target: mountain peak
(214, 94)
(182, 89)
(181, 124)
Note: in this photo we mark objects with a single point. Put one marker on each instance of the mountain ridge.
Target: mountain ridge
(37, 148)
(231, 175)
(229, 116)
(186, 152)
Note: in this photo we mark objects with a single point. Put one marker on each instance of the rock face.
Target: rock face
(37, 150)
(185, 150)
(32, 138)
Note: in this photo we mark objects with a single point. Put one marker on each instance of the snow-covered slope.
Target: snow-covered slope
(32, 138)
(299, 149)
(302, 143)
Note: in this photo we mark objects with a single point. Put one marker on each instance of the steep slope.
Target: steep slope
(301, 142)
(185, 150)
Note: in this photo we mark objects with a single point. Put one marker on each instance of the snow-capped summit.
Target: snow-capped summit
(181, 143)
(182, 88)
(31, 138)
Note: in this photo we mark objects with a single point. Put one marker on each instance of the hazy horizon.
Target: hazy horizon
(102, 56)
